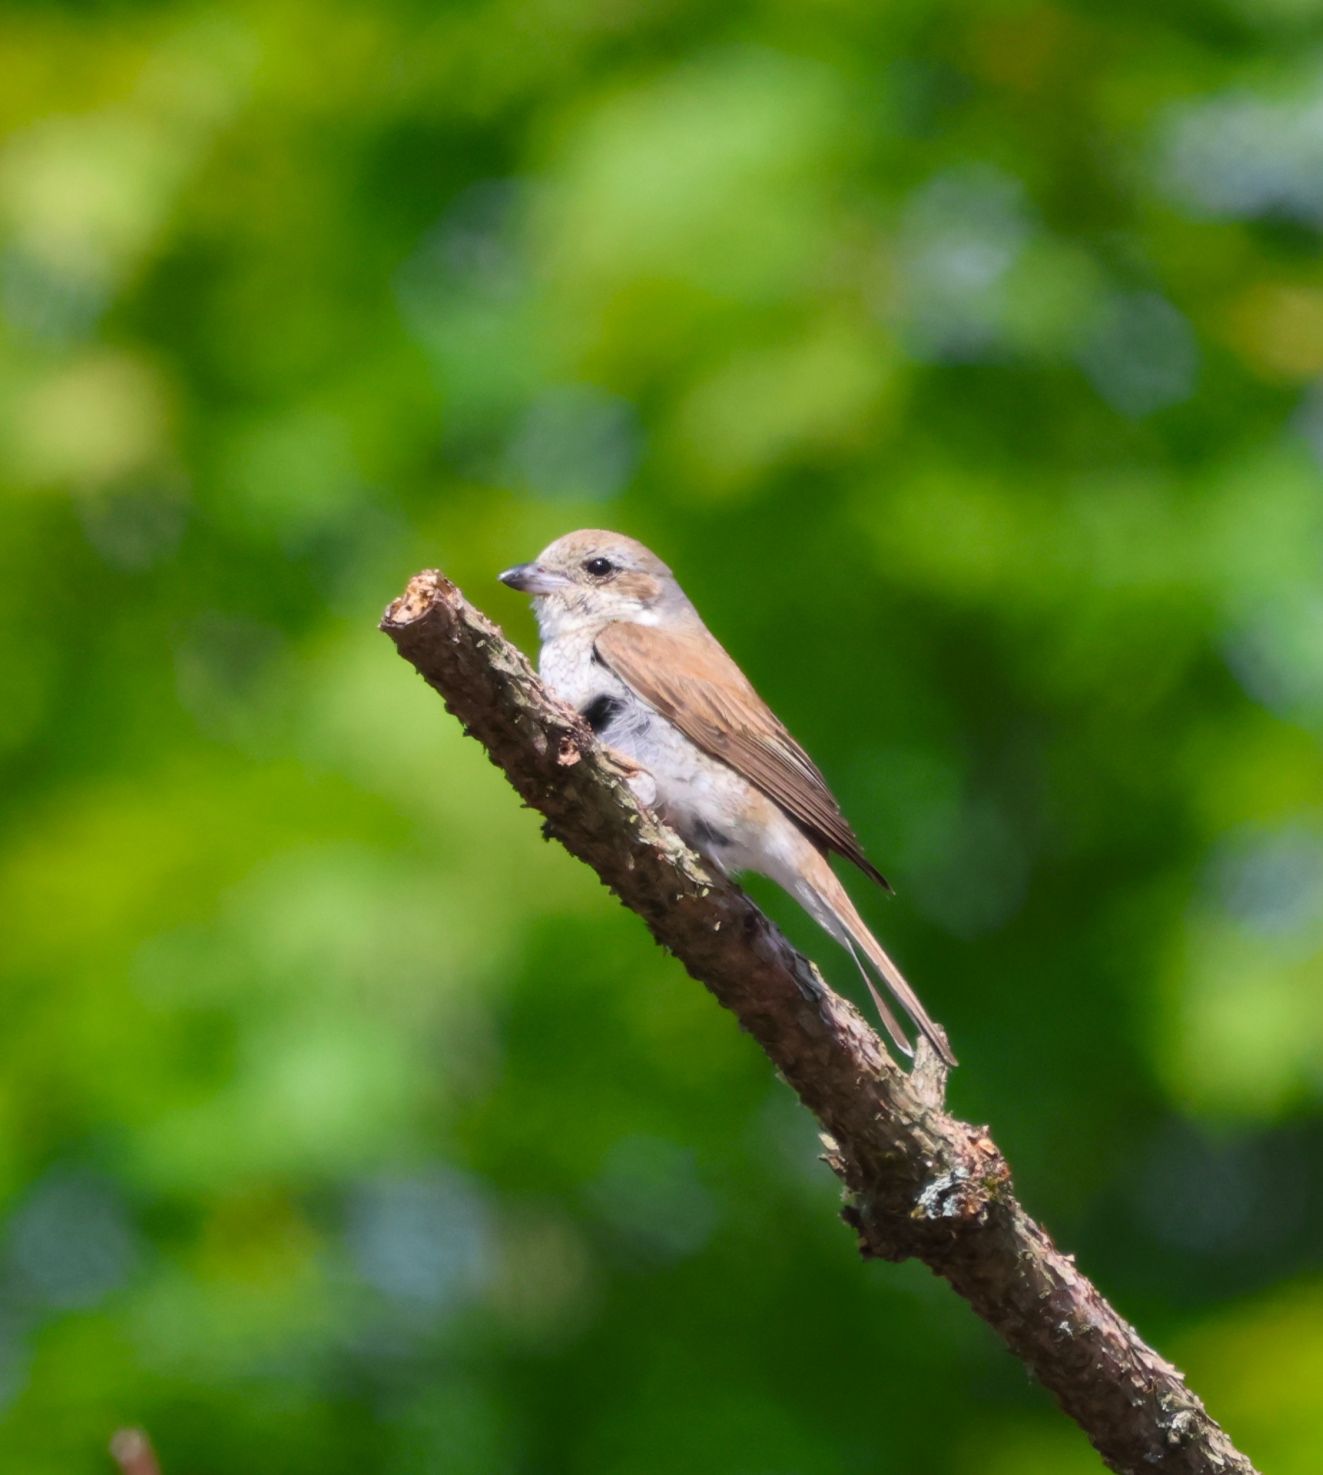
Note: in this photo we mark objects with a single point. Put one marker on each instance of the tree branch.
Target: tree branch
(917, 1181)
(132, 1451)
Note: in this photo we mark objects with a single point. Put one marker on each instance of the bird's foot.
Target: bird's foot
(929, 1073)
(641, 783)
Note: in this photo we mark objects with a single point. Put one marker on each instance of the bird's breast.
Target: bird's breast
(714, 808)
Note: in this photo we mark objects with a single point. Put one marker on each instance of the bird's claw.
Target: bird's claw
(928, 1074)
(641, 783)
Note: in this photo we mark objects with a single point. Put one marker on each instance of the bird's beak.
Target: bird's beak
(532, 578)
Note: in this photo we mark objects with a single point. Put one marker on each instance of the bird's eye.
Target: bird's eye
(598, 567)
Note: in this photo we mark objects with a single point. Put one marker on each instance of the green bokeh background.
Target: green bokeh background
(964, 360)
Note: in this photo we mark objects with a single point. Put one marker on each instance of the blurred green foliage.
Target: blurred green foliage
(973, 349)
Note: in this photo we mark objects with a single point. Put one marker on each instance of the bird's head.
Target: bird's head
(591, 578)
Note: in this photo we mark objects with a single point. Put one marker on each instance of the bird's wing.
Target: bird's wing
(691, 681)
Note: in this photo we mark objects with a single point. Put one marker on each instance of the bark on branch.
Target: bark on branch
(917, 1181)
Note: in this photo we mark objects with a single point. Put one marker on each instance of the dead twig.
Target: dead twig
(918, 1182)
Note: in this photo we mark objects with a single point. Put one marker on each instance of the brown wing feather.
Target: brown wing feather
(692, 682)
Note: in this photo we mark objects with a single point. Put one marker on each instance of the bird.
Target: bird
(622, 644)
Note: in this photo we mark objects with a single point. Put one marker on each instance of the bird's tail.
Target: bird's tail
(828, 902)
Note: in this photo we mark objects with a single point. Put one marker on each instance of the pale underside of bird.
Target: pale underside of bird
(623, 645)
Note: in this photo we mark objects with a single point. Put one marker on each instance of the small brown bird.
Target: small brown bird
(623, 645)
